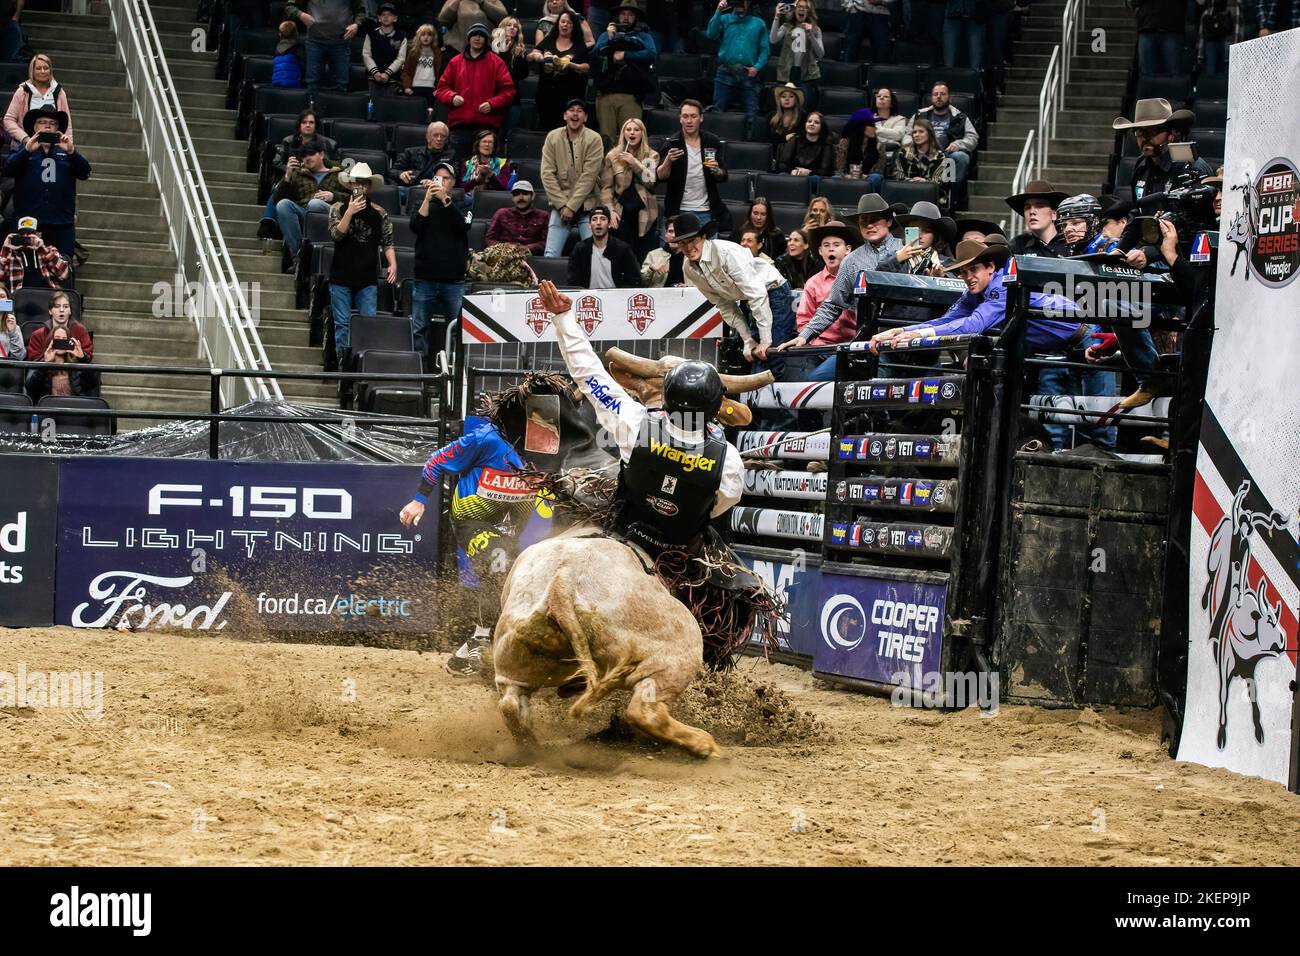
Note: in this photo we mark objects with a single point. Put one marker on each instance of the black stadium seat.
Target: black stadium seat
(377, 160)
(1124, 172)
(1210, 114)
(406, 135)
(1212, 86)
(478, 235)
(15, 412)
(743, 155)
(33, 305)
(960, 79)
(898, 77)
(1209, 144)
(401, 109)
(843, 192)
(787, 215)
(279, 99)
(831, 99)
(739, 213)
(677, 66)
(1175, 89)
(737, 186)
(341, 105)
(488, 201)
(729, 126)
(69, 422)
(11, 380)
(834, 43)
(841, 74)
(660, 122)
(556, 269)
(390, 397)
(389, 198)
(526, 144)
(910, 193)
(380, 332)
(358, 134)
(780, 187)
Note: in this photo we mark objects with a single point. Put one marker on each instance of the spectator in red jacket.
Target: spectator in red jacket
(521, 223)
(61, 318)
(477, 87)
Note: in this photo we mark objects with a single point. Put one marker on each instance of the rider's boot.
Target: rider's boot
(468, 658)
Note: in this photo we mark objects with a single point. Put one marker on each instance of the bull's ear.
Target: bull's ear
(1261, 592)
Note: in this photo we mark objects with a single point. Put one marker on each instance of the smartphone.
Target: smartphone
(912, 235)
(6, 305)
(62, 345)
(49, 137)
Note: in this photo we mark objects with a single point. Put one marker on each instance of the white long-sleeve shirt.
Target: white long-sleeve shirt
(728, 274)
(621, 415)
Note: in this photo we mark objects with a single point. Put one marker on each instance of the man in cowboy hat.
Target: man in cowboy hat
(359, 229)
(875, 218)
(833, 242)
(1037, 206)
(975, 229)
(625, 54)
(45, 173)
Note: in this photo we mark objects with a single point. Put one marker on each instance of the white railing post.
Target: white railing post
(1025, 171)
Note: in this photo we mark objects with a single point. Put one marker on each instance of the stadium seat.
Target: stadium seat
(779, 187)
(341, 105)
(358, 134)
(787, 215)
(478, 235)
(739, 210)
(737, 186)
(11, 380)
(400, 109)
(380, 332)
(834, 123)
(257, 41)
(526, 144)
(1175, 89)
(843, 192)
(832, 18)
(676, 66)
(15, 412)
(960, 79)
(1210, 114)
(30, 326)
(406, 135)
(741, 155)
(910, 193)
(728, 126)
(390, 397)
(530, 170)
(488, 201)
(1212, 86)
(1209, 144)
(907, 100)
(831, 99)
(69, 422)
(403, 237)
(528, 88)
(841, 74)
(834, 43)
(279, 99)
(660, 122)
(1124, 171)
(556, 268)
(33, 305)
(898, 77)
(376, 159)
(389, 198)
(968, 103)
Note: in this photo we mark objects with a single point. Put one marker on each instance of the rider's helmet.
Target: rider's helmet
(1082, 206)
(693, 387)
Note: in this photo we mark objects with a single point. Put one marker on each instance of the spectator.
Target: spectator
(308, 186)
(835, 241)
(1114, 214)
(625, 54)
(62, 349)
(1080, 220)
(290, 61)
(441, 252)
(1160, 35)
(11, 32)
(742, 54)
(818, 213)
(963, 34)
(811, 153)
(953, 129)
(692, 168)
(60, 311)
(547, 23)
(414, 166)
(866, 18)
(603, 261)
(462, 15)
(796, 263)
(384, 52)
(11, 336)
(422, 65)
(663, 264)
(521, 223)
(572, 157)
(477, 87)
(728, 275)
(796, 34)
(331, 25)
(27, 260)
(1217, 29)
(891, 128)
(361, 232)
(922, 161)
(1037, 206)
(787, 117)
(308, 124)
(751, 238)
(1272, 15)
(1155, 125)
(979, 229)
(997, 31)
(627, 181)
(484, 169)
(563, 64)
(858, 153)
(598, 11)
(930, 254)
(45, 173)
(38, 90)
(243, 13)
(771, 239)
(875, 220)
(508, 43)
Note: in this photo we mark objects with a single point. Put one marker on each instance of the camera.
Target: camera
(48, 137)
(1187, 202)
(62, 345)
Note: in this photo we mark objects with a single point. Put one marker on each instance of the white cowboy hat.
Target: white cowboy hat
(360, 173)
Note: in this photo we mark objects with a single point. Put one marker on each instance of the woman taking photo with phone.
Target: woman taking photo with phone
(11, 336)
(796, 34)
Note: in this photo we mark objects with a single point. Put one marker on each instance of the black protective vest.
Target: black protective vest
(666, 490)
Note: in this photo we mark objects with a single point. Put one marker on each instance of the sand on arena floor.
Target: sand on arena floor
(218, 751)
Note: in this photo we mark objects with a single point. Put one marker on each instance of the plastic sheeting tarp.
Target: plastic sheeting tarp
(362, 437)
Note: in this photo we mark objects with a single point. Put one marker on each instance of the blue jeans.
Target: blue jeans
(339, 57)
(557, 231)
(998, 35)
(345, 301)
(728, 84)
(292, 218)
(825, 372)
(960, 165)
(1215, 56)
(1138, 351)
(960, 32)
(429, 299)
(11, 40)
(597, 19)
(1075, 381)
(1160, 52)
(781, 302)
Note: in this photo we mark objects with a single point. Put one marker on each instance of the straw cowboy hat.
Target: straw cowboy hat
(1155, 112)
(1037, 189)
(799, 97)
(360, 173)
(928, 213)
(1216, 180)
(873, 204)
(832, 229)
(970, 251)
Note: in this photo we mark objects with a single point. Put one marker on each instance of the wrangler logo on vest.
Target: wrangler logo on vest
(689, 461)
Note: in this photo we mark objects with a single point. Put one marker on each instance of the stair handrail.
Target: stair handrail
(1071, 27)
(1050, 96)
(205, 275)
(1025, 171)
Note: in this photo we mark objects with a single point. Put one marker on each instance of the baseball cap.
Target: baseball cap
(576, 101)
(28, 224)
(522, 186)
(447, 166)
(603, 210)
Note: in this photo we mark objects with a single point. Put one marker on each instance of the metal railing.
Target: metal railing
(1026, 169)
(214, 300)
(1051, 96)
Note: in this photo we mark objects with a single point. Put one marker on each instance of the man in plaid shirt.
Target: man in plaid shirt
(25, 259)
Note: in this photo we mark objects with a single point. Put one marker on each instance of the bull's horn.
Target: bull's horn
(643, 367)
(734, 384)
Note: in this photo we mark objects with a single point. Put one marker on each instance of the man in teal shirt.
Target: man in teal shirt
(742, 53)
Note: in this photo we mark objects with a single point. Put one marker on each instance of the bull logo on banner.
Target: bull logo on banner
(1244, 628)
(535, 316)
(1267, 229)
(589, 314)
(641, 312)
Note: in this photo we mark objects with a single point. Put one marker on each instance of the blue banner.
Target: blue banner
(211, 545)
(878, 629)
(795, 578)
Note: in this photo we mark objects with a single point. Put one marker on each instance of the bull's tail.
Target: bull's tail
(561, 603)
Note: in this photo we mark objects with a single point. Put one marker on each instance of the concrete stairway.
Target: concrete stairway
(282, 327)
(1077, 157)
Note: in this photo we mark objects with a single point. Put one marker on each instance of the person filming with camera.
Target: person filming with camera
(62, 349)
(26, 260)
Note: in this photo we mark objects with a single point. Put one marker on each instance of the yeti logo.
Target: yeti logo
(1244, 628)
(589, 314)
(535, 316)
(641, 312)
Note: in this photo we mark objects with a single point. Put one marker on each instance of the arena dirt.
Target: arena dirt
(212, 750)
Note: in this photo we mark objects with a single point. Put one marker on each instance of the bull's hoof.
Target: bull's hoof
(572, 689)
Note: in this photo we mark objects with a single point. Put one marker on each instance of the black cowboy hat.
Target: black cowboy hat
(834, 228)
(1037, 189)
(686, 225)
(964, 226)
(45, 112)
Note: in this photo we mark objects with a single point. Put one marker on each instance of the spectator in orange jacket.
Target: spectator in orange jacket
(477, 87)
